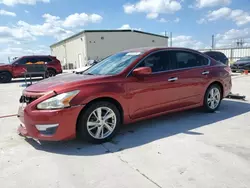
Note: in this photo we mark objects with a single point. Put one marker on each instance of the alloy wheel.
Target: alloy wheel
(214, 97)
(101, 123)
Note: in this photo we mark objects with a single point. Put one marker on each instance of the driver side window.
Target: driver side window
(158, 62)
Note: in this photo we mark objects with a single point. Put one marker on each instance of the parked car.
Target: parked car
(89, 64)
(241, 65)
(126, 87)
(17, 68)
(218, 56)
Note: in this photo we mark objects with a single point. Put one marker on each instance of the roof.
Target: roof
(96, 31)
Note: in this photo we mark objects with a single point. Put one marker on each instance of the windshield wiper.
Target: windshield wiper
(88, 73)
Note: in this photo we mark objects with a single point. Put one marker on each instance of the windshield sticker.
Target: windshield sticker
(133, 53)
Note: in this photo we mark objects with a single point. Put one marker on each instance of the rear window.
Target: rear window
(45, 59)
(218, 56)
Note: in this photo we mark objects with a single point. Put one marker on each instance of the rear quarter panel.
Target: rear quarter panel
(218, 73)
(55, 64)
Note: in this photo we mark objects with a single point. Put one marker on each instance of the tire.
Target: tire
(217, 100)
(5, 77)
(88, 124)
(50, 73)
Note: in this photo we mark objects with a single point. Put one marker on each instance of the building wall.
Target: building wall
(233, 54)
(71, 53)
(103, 44)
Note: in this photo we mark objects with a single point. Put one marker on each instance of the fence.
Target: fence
(233, 54)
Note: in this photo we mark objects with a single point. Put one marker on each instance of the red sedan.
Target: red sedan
(126, 87)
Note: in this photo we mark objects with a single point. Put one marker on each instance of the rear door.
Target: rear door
(192, 71)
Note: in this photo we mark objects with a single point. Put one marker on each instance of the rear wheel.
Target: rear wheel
(213, 98)
(51, 73)
(99, 122)
(5, 77)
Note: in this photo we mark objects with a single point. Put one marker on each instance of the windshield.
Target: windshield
(113, 64)
(14, 60)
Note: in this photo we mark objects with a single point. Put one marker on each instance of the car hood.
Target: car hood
(4, 65)
(62, 82)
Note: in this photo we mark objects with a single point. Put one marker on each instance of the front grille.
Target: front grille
(27, 99)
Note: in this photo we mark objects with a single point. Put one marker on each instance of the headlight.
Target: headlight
(58, 102)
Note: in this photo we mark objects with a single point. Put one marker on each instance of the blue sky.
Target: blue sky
(31, 26)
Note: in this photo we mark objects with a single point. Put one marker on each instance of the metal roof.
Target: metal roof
(96, 31)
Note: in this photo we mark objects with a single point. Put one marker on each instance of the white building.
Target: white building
(75, 51)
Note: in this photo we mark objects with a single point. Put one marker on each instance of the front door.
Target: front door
(153, 93)
(19, 67)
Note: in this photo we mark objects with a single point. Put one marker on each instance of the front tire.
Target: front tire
(213, 97)
(99, 122)
(5, 77)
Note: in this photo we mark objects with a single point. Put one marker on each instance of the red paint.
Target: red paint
(18, 70)
(140, 97)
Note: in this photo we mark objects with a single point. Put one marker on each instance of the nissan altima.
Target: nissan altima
(129, 86)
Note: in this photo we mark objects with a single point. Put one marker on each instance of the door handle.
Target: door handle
(173, 79)
(205, 73)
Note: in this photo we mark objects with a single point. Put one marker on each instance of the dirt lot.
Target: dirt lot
(188, 149)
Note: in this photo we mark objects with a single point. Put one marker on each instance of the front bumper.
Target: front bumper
(50, 125)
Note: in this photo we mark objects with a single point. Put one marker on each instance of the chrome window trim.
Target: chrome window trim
(209, 61)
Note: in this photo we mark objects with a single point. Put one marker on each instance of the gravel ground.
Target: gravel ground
(188, 149)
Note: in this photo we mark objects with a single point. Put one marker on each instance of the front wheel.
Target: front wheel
(99, 122)
(212, 98)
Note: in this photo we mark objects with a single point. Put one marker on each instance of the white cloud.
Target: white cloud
(163, 20)
(14, 35)
(230, 37)
(153, 7)
(19, 37)
(152, 15)
(27, 12)
(187, 42)
(238, 16)
(127, 26)
(53, 26)
(211, 3)
(218, 14)
(20, 51)
(82, 19)
(177, 20)
(201, 21)
(7, 13)
(25, 2)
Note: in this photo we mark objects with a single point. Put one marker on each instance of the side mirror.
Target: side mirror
(142, 71)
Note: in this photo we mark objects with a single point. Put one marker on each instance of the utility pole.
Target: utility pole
(171, 39)
(212, 41)
(166, 38)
